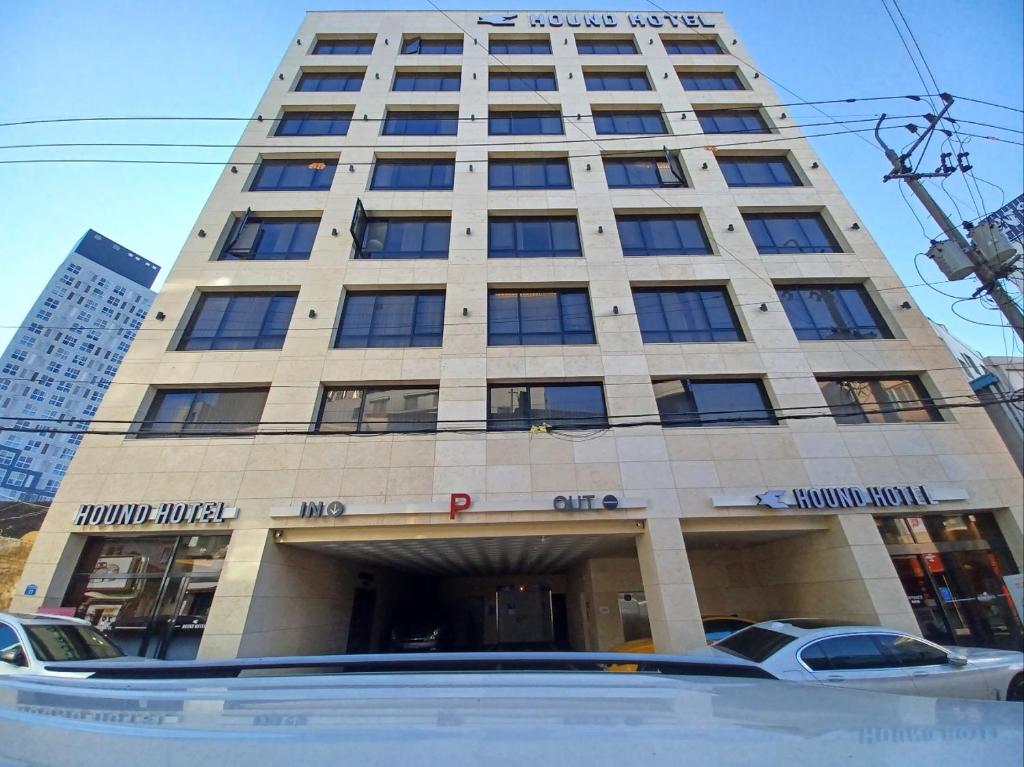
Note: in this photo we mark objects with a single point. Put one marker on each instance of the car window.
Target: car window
(754, 643)
(59, 643)
(719, 628)
(847, 653)
(910, 651)
(8, 638)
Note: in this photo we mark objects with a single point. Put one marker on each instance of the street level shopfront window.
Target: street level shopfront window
(203, 412)
(391, 320)
(378, 410)
(713, 402)
(518, 407)
(525, 317)
(953, 568)
(832, 312)
(878, 400)
(686, 315)
(239, 321)
(151, 595)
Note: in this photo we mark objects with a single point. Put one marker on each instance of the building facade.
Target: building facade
(528, 330)
(61, 360)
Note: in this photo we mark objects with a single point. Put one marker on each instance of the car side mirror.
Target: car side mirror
(14, 655)
(955, 659)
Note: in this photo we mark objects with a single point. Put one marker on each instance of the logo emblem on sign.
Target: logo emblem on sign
(772, 499)
(498, 19)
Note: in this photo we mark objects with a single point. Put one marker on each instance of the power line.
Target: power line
(990, 104)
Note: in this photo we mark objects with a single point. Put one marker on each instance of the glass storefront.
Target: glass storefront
(151, 595)
(952, 568)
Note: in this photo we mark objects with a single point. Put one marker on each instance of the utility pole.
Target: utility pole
(990, 257)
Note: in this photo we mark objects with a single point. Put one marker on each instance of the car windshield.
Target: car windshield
(59, 643)
(754, 643)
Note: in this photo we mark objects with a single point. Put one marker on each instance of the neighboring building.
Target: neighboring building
(62, 358)
(19, 525)
(994, 379)
(528, 365)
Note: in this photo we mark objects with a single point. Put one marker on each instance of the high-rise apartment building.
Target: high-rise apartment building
(528, 329)
(62, 358)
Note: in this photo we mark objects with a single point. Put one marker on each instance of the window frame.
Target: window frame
(329, 170)
(738, 161)
(922, 399)
(422, 76)
(533, 419)
(360, 420)
(432, 162)
(846, 331)
(183, 343)
(587, 335)
(672, 169)
(445, 119)
(370, 220)
(695, 419)
(714, 115)
(797, 218)
(157, 400)
(731, 76)
(312, 115)
(527, 78)
(238, 228)
(493, 42)
(320, 42)
(699, 291)
(545, 116)
(411, 42)
(370, 336)
(696, 42)
(519, 221)
(601, 118)
(648, 237)
(327, 77)
(523, 162)
(618, 42)
(598, 77)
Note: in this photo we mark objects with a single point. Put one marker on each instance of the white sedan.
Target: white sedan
(29, 642)
(875, 658)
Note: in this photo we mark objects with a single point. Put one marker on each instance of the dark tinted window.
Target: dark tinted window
(713, 402)
(343, 46)
(710, 81)
(692, 46)
(758, 171)
(546, 173)
(846, 653)
(775, 233)
(605, 46)
(684, 315)
(732, 121)
(413, 174)
(719, 628)
(519, 46)
(629, 122)
(532, 237)
(431, 46)
(755, 643)
(437, 81)
(239, 321)
(313, 124)
(270, 239)
(517, 407)
(878, 400)
(65, 643)
(398, 409)
(522, 81)
(524, 123)
(405, 238)
(294, 175)
(616, 81)
(203, 412)
(678, 235)
(330, 81)
(624, 172)
(403, 123)
(831, 312)
(522, 317)
(394, 320)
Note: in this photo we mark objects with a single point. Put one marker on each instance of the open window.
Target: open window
(245, 236)
(358, 226)
(671, 174)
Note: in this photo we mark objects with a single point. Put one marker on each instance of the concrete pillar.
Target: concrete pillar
(668, 586)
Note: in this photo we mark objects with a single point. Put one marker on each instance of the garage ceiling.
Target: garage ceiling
(512, 555)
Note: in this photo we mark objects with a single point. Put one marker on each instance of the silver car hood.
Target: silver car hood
(493, 718)
(987, 656)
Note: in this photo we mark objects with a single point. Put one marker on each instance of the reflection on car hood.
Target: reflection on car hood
(497, 718)
(987, 656)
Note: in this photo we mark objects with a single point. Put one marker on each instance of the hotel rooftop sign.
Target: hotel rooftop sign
(575, 19)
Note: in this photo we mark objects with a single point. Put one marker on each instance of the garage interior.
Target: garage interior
(483, 592)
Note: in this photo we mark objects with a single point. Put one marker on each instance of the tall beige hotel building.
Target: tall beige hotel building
(528, 330)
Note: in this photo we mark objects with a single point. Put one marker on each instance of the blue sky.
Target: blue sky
(194, 57)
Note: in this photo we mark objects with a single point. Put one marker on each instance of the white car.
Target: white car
(29, 642)
(874, 658)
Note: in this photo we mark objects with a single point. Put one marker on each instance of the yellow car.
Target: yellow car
(715, 627)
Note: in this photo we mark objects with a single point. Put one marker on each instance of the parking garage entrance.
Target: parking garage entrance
(468, 593)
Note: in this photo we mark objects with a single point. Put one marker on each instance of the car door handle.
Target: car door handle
(921, 673)
(834, 678)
